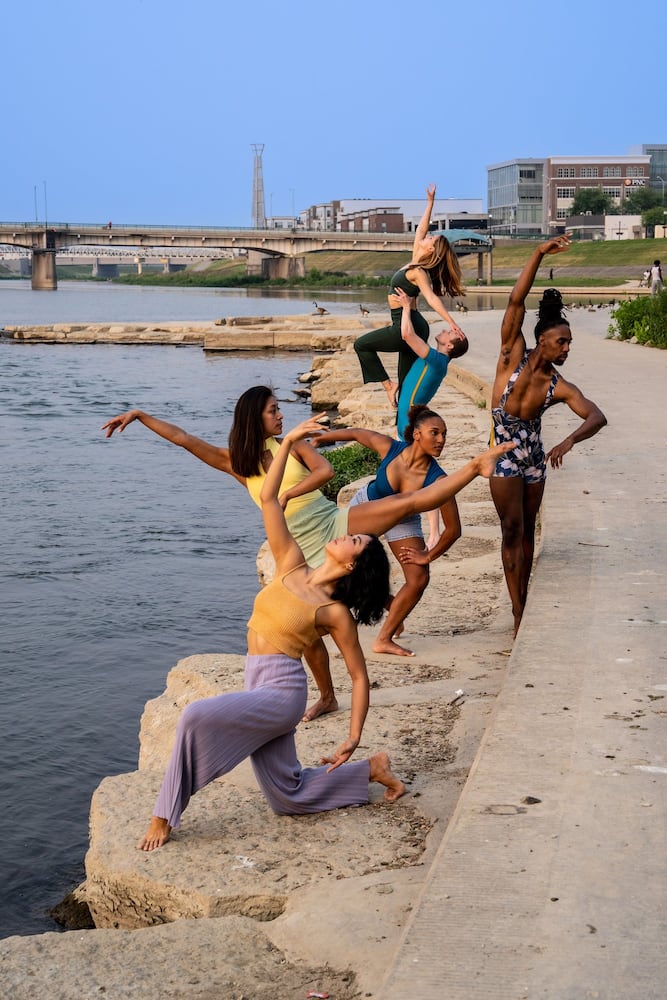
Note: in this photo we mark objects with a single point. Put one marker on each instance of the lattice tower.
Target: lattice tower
(258, 208)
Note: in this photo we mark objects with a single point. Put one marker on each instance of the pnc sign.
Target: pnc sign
(635, 182)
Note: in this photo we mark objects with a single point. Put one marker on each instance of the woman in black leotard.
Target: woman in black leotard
(434, 271)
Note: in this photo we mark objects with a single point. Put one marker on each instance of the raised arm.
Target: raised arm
(516, 307)
(380, 443)
(285, 550)
(592, 416)
(210, 454)
(408, 334)
(425, 221)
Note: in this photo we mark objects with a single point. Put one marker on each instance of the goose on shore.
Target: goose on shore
(364, 311)
(320, 310)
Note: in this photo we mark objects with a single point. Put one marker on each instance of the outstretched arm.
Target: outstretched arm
(593, 421)
(285, 550)
(420, 277)
(516, 308)
(210, 454)
(380, 443)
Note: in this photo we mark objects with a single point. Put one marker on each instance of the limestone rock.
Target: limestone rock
(225, 959)
(232, 855)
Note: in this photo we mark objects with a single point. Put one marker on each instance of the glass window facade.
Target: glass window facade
(515, 198)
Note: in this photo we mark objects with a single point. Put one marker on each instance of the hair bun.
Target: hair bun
(551, 303)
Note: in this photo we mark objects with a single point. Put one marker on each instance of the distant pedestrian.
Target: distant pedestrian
(646, 278)
(656, 278)
(551, 274)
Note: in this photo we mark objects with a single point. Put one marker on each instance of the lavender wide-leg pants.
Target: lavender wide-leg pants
(216, 734)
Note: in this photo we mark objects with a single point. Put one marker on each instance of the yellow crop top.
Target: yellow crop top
(294, 474)
(283, 619)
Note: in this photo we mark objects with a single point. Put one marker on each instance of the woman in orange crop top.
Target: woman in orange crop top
(298, 606)
(434, 271)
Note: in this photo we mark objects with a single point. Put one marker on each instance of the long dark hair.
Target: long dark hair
(416, 417)
(365, 591)
(550, 312)
(246, 437)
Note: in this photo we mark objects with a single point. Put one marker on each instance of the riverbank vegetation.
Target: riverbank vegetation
(350, 462)
(588, 263)
(645, 319)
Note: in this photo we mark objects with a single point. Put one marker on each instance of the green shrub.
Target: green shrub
(352, 461)
(643, 318)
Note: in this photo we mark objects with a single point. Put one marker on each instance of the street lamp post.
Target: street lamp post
(663, 187)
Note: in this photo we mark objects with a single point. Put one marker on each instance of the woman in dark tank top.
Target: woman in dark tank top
(434, 272)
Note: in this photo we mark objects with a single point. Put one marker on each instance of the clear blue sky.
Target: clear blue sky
(145, 111)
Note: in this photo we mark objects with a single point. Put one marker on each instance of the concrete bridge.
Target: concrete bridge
(271, 252)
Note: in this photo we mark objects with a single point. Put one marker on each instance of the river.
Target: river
(119, 558)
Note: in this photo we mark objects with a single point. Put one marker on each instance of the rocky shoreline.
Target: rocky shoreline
(242, 903)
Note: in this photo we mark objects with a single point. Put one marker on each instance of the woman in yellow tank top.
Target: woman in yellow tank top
(257, 423)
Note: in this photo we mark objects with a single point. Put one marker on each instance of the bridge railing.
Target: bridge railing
(113, 228)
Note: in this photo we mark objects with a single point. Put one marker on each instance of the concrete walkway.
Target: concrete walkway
(551, 881)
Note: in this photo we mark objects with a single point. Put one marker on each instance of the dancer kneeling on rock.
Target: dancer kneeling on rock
(351, 585)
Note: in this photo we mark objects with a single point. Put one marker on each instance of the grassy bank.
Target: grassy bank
(366, 269)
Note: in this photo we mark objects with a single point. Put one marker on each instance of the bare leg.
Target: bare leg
(509, 496)
(317, 658)
(382, 773)
(156, 835)
(416, 582)
(532, 499)
(377, 516)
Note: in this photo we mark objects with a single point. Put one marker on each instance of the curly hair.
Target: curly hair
(246, 436)
(550, 312)
(365, 591)
(416, 417)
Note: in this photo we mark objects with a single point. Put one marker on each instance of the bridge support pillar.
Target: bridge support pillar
(169, 268)
(104, 270)
(284, 267)
(44, 271)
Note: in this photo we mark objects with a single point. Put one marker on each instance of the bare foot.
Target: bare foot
(321, 707)
(391, 388)
(381, 772)
(488, 459)
(156, 835)
(398, 631)
(389, 646)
